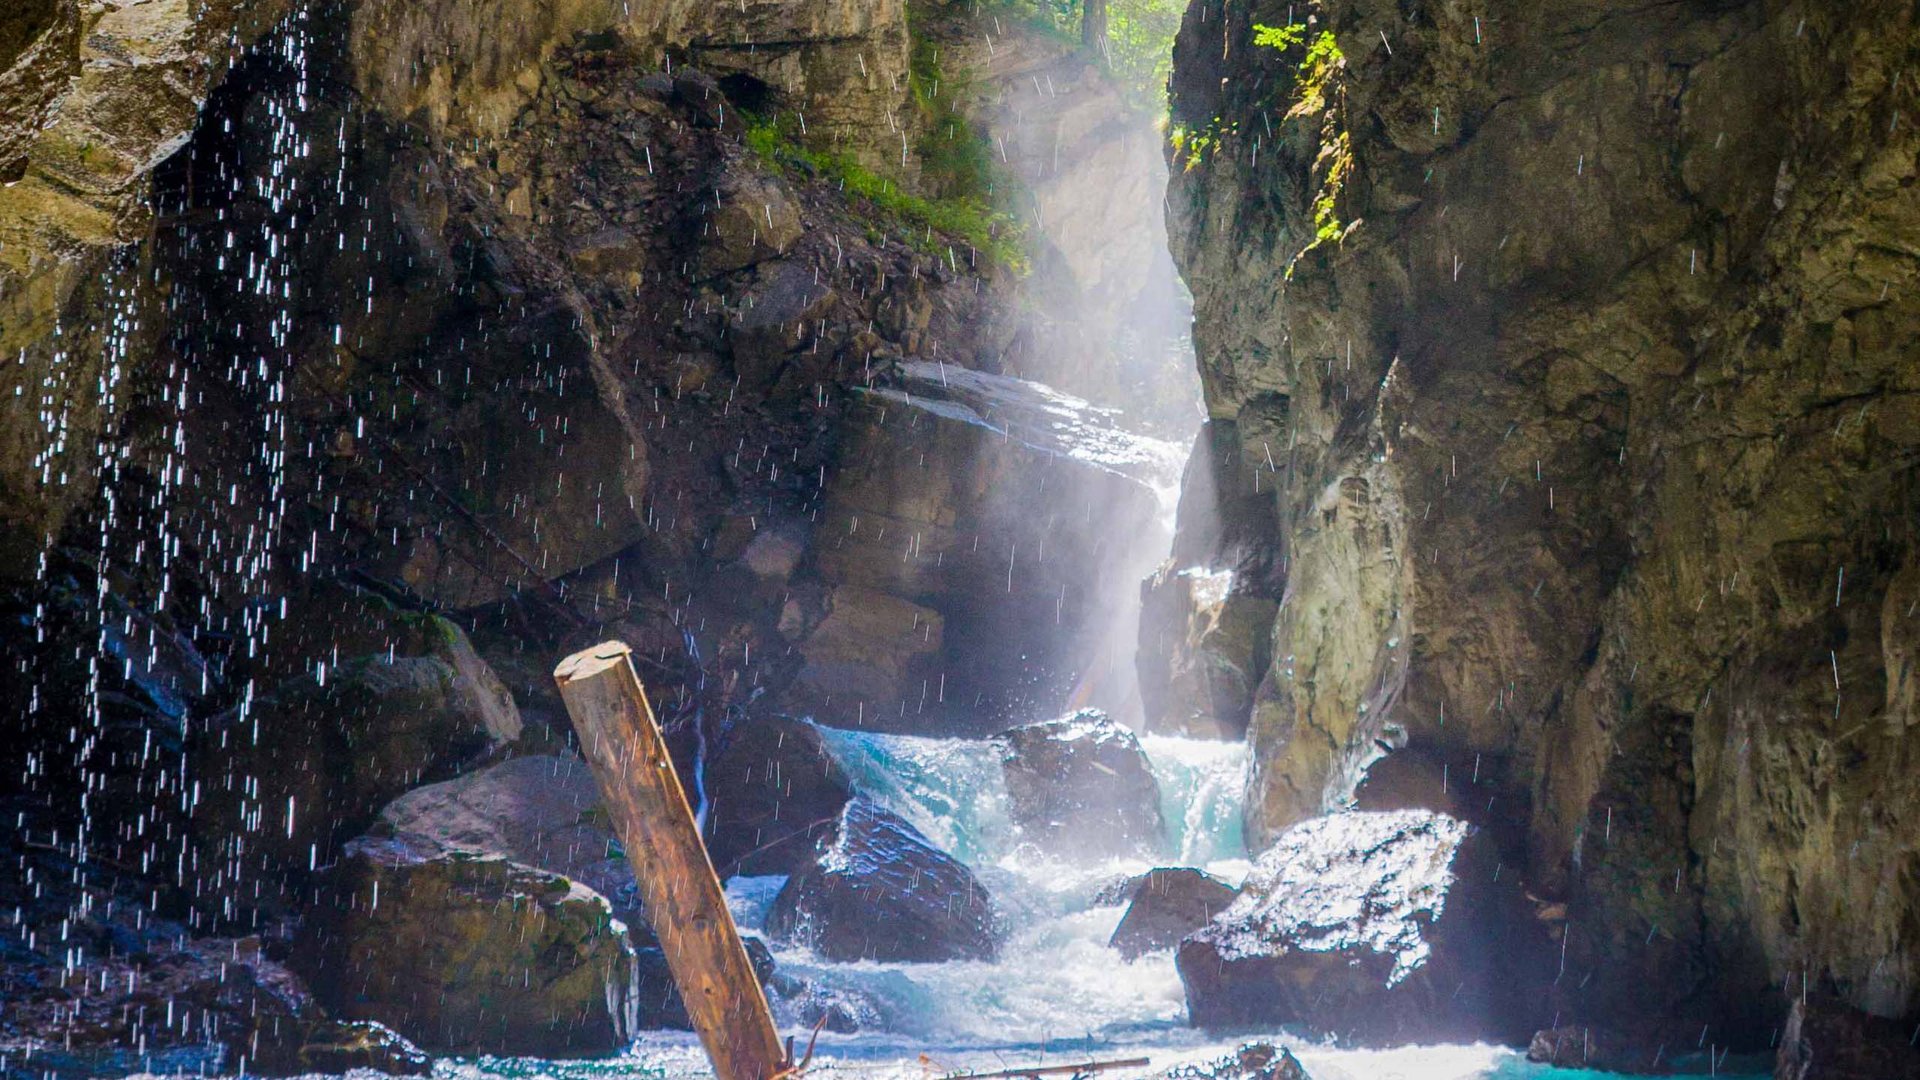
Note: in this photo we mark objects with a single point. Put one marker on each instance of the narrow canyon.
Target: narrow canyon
(1333, 538)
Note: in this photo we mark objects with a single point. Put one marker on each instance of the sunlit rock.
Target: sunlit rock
(1082, 785)
(774, 789)
(1004, 508)
(1203, 651)
(880, 891)
(542, 811)
(1375, 928)
(469, 954)
(1168, 904)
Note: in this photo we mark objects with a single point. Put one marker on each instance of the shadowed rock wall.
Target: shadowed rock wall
(1575, 344)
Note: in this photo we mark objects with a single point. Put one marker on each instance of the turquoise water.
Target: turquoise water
(679, 1057)
(1057, 994)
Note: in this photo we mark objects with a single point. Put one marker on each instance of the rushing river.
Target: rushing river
(1057, 994)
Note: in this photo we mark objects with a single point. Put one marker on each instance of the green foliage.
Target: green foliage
(994, 235)
(1139, 52)
(1322, 54)
(1291, 36)
(956, 162)
(1140, 48)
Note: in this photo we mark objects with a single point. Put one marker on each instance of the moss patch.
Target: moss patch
(964, 218)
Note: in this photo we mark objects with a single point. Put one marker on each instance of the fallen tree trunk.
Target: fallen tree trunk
(685, 904)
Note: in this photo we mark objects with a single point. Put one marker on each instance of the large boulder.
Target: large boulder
(542, 811)
(773, 789)
(1081, 784)
(659, 1004)
(879, 891)
(1375, 928)
(292, 775)
(1824, 1039)
(1168, 904)
(468, 954)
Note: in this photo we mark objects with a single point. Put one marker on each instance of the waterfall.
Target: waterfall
(1056, 977)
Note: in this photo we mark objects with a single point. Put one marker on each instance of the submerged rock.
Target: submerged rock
(1253, 1061)
(1373, 927)
(1082, 784)
(1168, 904)
(774, 790)
(337, 1046)
(467, 954)
(879, 890)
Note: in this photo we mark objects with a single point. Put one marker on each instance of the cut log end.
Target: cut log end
(587, 663)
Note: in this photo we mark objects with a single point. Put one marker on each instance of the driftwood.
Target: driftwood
(1082, 1068)
(684, 901)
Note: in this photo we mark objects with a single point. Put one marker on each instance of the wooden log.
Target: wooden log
(685, 904)
(1085, 1067)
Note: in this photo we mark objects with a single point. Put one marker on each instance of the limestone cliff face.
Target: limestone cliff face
(1574, 346)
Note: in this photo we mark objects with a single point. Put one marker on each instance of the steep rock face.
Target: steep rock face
(1575, 339)
(1108, 319)
(965, 540)
(469, 67)
(95, 96)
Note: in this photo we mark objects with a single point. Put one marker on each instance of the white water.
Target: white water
(1057, 993)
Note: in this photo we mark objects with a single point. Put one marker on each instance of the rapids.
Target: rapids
(1057, 993)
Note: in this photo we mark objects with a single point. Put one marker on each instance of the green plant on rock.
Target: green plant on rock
(996, 236)
(956, 161)
(1319, 60)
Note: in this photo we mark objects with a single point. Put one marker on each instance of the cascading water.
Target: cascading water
(1056, 980)
(1057, 993)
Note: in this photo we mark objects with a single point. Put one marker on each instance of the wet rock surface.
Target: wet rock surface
(880, 891)
(947, 589)
(1252, 1061)
(1081, 784)
(469, 954)
(1373, 928)
(1561, 483)
(542, 811)
(776, 790)
(1166, 905)
(1823, 1037)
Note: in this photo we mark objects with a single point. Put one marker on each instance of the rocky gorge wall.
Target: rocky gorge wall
(1570, 348)
(366, 358)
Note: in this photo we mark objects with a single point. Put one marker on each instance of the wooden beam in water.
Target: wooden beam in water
(684, 901)
(1083, 1068)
